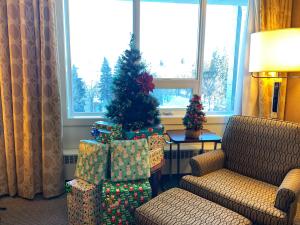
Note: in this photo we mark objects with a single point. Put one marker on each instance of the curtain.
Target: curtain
(257, 93)
(274, 14)
(247, 93)
(30, 122)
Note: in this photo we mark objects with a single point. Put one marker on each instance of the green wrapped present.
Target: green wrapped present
(115, 129)
(84, 203)
(92, 161)
(119, 200)
(143, 133)
(129, 160)
(105, 137)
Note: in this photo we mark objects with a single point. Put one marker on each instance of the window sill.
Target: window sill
(85, 121)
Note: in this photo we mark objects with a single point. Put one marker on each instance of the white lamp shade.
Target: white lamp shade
(275, 51)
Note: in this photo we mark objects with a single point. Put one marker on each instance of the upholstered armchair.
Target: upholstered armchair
(256, 173)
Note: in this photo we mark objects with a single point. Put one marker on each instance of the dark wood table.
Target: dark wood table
(178, 137)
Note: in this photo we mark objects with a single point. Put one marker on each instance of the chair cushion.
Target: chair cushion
(177, 206)
(249, 197)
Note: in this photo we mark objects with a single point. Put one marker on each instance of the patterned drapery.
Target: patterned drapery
(274, 14)
(30, 122)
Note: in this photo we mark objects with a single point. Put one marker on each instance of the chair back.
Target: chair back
(263, 149)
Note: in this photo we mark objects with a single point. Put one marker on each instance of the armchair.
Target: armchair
(257, 172)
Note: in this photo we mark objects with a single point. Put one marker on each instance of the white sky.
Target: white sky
(168, 32)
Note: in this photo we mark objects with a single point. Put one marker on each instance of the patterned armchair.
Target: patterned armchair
(257, 172)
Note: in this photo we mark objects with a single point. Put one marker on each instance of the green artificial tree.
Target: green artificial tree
(132, 105)
(194, 117)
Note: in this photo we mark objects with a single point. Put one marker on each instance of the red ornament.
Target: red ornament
(107, 190)
(142, 199)
(141, 189)
(143, 136)
(113, 219)
(145, 81)
(131, 189)
(150, 129)
(117, 191)
(118, 213)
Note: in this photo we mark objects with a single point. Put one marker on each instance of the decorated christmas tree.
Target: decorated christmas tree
(194, 117)
(132, 105)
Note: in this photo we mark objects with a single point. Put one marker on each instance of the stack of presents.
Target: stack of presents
(112, 174)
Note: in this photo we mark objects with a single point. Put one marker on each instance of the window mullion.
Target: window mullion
(136, 21)
(201, 41)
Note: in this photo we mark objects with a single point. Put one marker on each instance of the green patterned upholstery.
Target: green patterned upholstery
(259, 156)
(288, 190)
(206, 163)
(263, 149)
(249, 197)
(177, 206)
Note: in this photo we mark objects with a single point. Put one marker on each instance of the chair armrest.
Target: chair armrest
(207, 162)
(288, 191)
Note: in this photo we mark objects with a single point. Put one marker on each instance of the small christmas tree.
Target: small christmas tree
(133, 106)
(194, 117)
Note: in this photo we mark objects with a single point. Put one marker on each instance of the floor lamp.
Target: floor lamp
(272, 55)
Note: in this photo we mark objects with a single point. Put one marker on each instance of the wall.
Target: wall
(292, 110)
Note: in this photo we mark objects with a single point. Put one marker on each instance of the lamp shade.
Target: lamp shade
(275, 51)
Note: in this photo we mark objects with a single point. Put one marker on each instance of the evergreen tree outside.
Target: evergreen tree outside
(133, 106)
(78, 91)
(105, 83)
(214, 82)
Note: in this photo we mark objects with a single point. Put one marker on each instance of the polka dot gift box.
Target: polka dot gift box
(119, 200)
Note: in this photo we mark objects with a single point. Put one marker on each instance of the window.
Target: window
(190, 47)
(224, 25)
(98, 32)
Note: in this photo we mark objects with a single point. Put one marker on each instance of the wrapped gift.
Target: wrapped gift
(114, 129)
(105, 132)
(92, 161)
(129, 160)
(143, 133)
(119, 200)
(84, 202)
(156, 157)
(155, 142)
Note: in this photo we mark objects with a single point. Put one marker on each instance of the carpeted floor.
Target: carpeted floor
(44, 212)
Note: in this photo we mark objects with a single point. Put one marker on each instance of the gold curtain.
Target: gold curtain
(30, 123)
(274, 14)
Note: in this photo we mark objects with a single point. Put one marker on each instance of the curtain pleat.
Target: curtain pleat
(31, 134)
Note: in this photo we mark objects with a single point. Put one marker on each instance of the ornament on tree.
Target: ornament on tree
(194, 117)
(133, 106)
(145, 81)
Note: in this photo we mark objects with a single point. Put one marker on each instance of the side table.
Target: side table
(178, 137)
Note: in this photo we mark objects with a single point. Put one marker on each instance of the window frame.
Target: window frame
(64, 54)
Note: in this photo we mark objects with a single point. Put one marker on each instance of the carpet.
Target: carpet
(44, 212)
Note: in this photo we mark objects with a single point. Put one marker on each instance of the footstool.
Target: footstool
(177, 206)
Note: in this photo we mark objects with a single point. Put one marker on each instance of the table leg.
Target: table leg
(178, 159)
(215, 146)
(170, 166)
(202, 148)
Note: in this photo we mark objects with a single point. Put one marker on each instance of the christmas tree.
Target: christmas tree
(133, 106)
(194, 117)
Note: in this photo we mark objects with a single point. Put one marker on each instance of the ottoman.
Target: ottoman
(177, 206)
